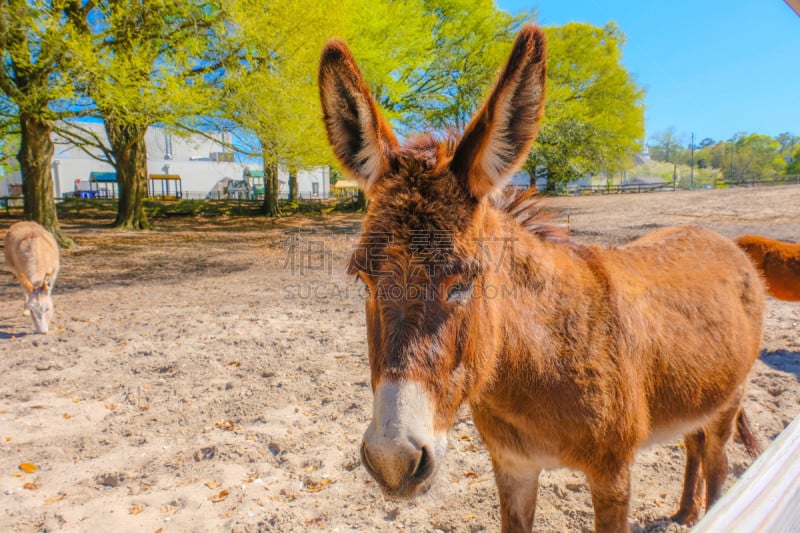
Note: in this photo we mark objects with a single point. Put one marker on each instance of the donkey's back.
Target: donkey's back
(690, 307)
(31, 250)
(682, 310)
(778, 261)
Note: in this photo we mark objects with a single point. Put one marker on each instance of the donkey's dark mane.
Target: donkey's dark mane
(529, 210)
(525, 206)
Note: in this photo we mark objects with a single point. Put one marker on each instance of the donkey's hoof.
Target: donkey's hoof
(686, 517)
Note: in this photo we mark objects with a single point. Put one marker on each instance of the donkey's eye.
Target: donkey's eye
(459, 292)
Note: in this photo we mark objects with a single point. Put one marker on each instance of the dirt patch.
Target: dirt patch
(212, 375)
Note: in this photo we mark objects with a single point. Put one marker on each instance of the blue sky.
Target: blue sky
(711, 67)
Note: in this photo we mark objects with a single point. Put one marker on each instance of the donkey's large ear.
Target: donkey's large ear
(360, 138)
(498, 138)
(26, 282)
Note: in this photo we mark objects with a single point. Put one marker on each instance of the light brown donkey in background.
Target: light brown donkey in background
(567, 354)
(32, 257)
(779, 262)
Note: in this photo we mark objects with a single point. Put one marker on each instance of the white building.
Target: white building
(200, 162)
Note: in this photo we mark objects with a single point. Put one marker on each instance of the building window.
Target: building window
(315, 188)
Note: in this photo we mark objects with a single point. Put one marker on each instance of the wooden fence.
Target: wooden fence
(778, 179)
(767, 497)
(617, 189)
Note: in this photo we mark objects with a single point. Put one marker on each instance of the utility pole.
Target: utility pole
(691, 171)
(730, 170)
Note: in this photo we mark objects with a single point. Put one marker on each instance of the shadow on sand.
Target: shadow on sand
(783, 360)
(5, 334)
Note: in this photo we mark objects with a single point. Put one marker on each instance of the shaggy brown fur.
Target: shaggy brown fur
(567, 354)
(778, 261)
(32, 257)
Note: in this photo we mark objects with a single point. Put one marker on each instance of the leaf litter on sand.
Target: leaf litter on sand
(28, 468)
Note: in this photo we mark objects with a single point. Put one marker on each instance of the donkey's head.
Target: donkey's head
(431, 334)
(39, 304)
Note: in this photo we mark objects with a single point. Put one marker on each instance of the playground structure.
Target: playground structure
(165, 186)
(104, 184)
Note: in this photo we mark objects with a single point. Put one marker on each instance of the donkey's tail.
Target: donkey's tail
(745, 435)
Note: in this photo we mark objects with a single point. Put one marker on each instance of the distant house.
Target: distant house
(200, 163)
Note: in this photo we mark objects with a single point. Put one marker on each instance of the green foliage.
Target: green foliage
(746, 157)
(414, 54)
(427, 64)
(594, 116)
(9, 146)
(271, 93)
(33, 77)
(668, 146)
(702, 177)
(788, 143)
(150, 62)
(36, 90)
(755, 156)
(794, 165)
(470, 40)
(393, 43)
(142, 63)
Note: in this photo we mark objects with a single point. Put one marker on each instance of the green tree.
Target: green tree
(470, 39)
(9, 147)
(794, 163)
(272, 94)
(790, 145)
(594, 116)
(668, 146)
(756, 156)
(788, 142)
(37, 91)
(143, 63)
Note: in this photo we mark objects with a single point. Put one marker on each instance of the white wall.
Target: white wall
(306, 178)
(188, 157)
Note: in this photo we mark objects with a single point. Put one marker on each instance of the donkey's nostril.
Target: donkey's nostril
(424, 466)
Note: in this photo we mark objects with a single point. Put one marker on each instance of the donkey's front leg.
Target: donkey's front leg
(25, 310)
(611, 491)
(517, 486)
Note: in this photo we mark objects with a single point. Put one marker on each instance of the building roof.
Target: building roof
(102, 177)
(346, 184)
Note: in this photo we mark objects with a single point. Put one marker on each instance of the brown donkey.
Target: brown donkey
(779, 262)
(567, 354)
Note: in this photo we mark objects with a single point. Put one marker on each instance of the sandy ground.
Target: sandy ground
(212, 376)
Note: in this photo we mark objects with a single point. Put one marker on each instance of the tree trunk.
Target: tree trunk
(532, 177)
(292, 184)
(361, 201)
(270, 207)
(130, 155)
(35, 159)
